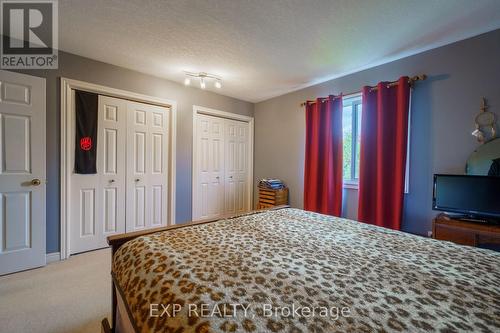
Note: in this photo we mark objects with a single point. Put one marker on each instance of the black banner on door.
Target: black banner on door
(86, 132)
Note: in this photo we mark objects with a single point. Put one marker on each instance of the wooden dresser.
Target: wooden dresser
(466, 233)
(271, 198)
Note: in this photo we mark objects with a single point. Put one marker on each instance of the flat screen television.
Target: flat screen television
(472, 196)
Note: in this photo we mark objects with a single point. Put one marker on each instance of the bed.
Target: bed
(288, 270)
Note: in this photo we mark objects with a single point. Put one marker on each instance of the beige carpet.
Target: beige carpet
(67, 296)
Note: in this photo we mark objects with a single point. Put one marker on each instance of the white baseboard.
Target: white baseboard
(52, 257)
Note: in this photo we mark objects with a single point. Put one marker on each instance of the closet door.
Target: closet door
(147, 172)
(209, 168)
(236, 166)
(98, 200)
(111, 152)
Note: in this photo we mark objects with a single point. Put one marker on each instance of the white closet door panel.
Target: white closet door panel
(231, 166)
(157, 209)
(110, 151)
(209, 168)
(241, 196)
(242, 170)
(216, 177)
(112, 132)
(87, 212)
(139, 217)
(97, 207)
(202, 167)
(111, 209)
(236, 173)
(157, 166)
(147, 177)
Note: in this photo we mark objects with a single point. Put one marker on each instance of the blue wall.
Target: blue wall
(443, 111)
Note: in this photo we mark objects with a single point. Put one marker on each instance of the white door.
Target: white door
(22, 172)
(147, 169)
(209, 168)
(236, 167)
(221, 167)
(97, 207)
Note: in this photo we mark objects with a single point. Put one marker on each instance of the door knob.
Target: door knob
(35, 182)
(111, 180)
(137, 180)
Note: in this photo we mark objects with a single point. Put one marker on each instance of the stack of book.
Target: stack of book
(272, 184)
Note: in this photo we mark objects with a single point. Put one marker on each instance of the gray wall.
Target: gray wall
(79, 68)
(443, 110)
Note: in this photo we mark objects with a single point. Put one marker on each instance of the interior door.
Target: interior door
(22, 172)
(147, 169)
(236, 166)
(97, 207)
(209, 168)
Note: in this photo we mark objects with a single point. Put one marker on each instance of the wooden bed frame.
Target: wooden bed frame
(116, 241)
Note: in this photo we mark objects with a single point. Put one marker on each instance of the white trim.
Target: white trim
(52, 257)
(221, 114)
(67, 130)
(350, 184)
(228, 115)
(352, 96)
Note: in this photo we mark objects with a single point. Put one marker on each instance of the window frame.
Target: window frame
(355, 101)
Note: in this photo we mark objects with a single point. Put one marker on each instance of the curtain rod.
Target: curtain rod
(411, 81)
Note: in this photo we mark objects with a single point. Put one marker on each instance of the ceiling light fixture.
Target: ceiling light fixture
(203, 77)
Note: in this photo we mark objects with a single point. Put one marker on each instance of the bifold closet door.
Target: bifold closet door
(129, 191)
(236, 166)
(97, 207)
(209, 168)
(221, 167)
(147, 173)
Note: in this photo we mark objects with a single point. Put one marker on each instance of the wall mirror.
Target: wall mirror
(481, 160)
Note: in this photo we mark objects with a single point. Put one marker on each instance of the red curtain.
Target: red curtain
(323, 163)
(384, 135)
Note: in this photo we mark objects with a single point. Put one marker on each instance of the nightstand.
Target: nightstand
(270, 198)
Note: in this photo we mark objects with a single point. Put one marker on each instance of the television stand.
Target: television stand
(464, 232)
(468, 218)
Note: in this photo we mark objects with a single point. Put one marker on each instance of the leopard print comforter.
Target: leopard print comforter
(295, 271)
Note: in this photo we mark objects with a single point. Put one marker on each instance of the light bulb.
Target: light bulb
(202, 83)
(218, 85)
(187, 81)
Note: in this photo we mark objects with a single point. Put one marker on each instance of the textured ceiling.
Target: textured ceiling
(265, 48)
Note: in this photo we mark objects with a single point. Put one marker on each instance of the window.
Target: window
(351, 127)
